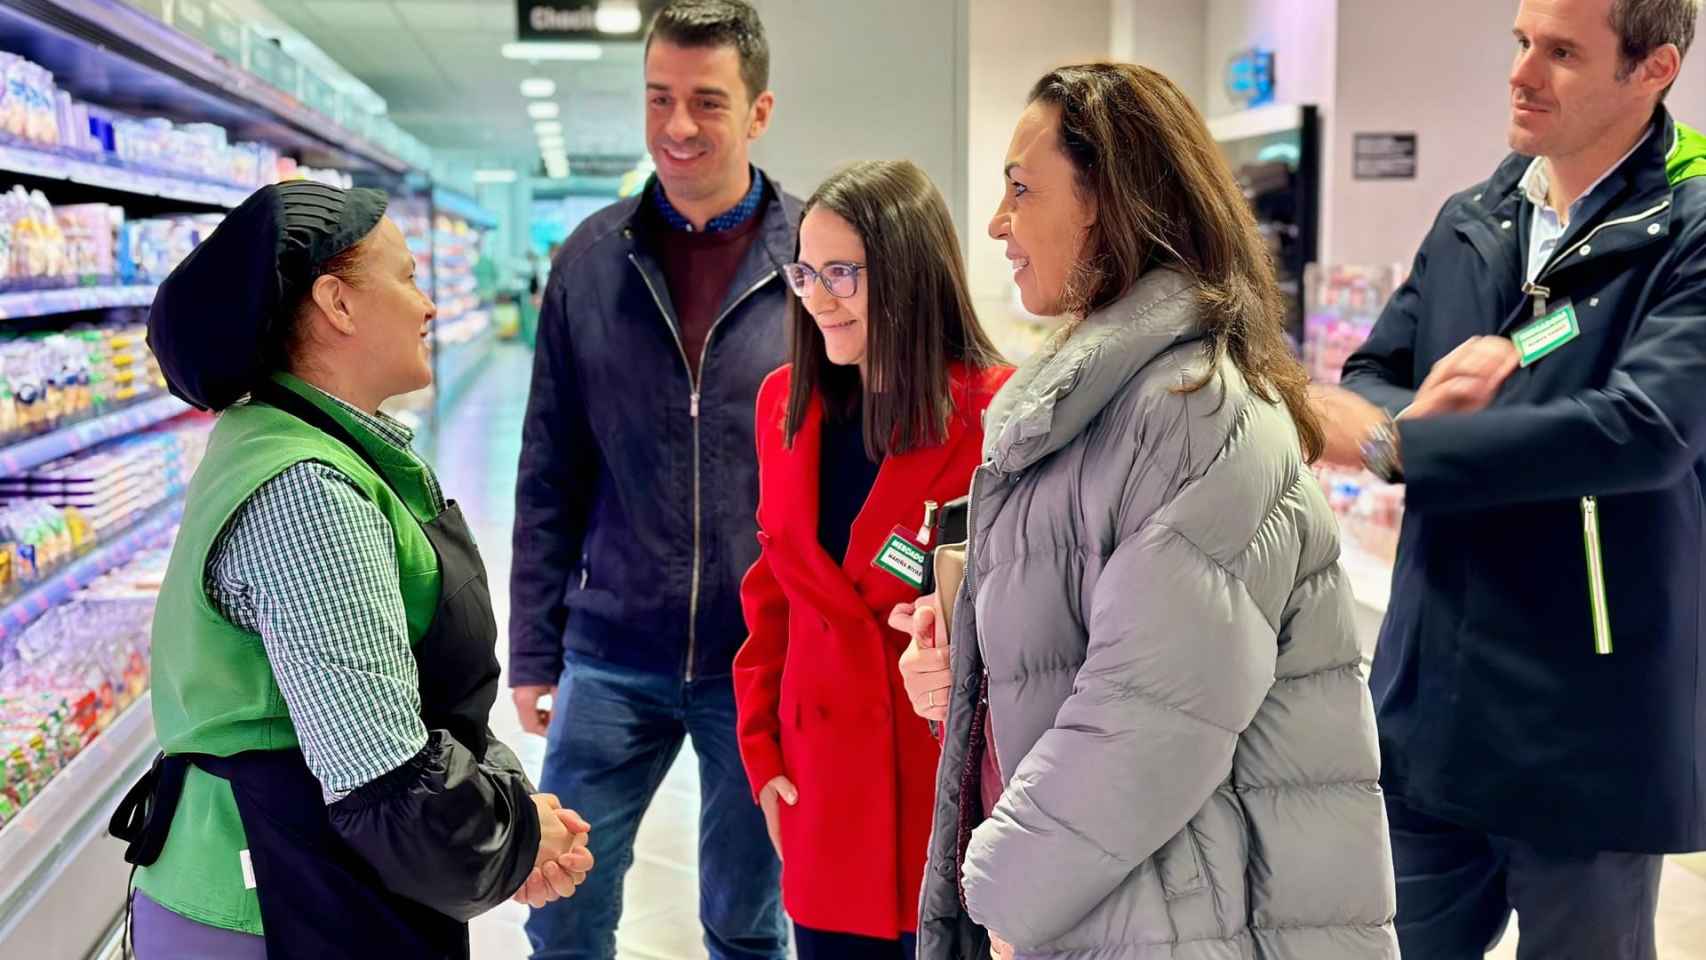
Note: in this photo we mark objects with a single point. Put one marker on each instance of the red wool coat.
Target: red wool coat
(817, 685)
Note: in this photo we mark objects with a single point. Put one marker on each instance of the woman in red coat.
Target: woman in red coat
(880, 411)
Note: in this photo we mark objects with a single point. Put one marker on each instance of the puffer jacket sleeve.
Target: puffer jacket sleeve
(1179, 660)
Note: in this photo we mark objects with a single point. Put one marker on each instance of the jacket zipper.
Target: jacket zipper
(696, 381)
(1597, 605)
(1596, 577)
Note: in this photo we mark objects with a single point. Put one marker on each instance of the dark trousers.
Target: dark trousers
(822, 945)
(614, 733)
(1457, 888)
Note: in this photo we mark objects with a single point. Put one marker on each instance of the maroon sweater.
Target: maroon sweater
(699, 268)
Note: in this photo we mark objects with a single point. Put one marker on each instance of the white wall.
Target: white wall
(1166, 35)
(1447, 81)
(1013, 43)
(1302, 33)
(867, 80)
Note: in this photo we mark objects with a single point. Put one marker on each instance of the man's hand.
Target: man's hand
(1346, 419)
(533, 719)
(1000, 949)
(779, 790)
(925, 668)
(563, 861)
(1467, 379)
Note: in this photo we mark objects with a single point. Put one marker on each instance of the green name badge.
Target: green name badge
(903, 559)
(1547, 334)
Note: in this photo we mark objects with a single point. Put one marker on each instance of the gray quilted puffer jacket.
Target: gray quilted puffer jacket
(1176, 691)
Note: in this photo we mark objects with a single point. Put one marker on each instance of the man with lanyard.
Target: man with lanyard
(1539, 385)
(638, 487)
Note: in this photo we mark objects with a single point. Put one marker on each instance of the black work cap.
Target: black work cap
(215, 321)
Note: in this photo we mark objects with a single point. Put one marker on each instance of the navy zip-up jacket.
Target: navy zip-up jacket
(638, 488)
(1495, 711)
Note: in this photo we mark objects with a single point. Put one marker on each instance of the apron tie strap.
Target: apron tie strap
(144, 816)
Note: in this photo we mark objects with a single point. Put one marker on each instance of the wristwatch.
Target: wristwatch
(1380, 452)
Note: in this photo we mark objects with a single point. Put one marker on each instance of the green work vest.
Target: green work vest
(214, 690)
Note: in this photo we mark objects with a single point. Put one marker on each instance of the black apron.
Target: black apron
(317, 897)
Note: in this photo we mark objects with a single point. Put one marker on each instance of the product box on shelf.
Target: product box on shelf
(1341, 306)
(211, 22)
(266, 59)
(28, 101)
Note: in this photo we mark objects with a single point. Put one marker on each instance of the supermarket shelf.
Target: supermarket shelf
(462, 206)
(58, 587)
(458, 364)
(57, 866)
(57, 165)
(113, 54)
(1370, 577)
(36, 451)
(44, 303)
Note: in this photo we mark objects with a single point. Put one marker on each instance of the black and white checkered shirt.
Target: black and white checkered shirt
(310, 564)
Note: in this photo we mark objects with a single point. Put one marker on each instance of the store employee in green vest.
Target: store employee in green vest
(323, 646)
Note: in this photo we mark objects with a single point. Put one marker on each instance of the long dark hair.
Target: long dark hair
(1165, 197)
(920, 317)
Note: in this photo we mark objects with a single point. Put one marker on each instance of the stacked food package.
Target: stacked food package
(71, 673)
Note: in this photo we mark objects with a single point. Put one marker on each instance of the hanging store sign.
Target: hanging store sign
(1384, 156)
(551, 21)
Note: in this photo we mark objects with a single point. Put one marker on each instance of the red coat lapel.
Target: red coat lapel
(852, 587)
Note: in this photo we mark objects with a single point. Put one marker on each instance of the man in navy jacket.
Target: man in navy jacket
(635, 513)
(1539, 384)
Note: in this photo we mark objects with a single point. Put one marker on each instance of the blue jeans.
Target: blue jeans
(614, 734)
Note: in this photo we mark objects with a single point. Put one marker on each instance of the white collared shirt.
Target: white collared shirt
(1547, 228)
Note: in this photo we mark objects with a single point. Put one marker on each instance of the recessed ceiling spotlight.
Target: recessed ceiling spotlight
(536, 87)
(543, 110)
(536, 51)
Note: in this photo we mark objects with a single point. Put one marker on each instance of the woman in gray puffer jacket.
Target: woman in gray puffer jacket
(1159, 740)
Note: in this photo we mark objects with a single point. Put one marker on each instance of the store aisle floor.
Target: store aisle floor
(476, 455)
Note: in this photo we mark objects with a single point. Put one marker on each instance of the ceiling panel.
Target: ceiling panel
(427, 15)
(437, 64)
(354, 14)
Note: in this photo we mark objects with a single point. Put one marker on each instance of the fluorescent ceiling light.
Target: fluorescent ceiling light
(617, 16)
(538, 87)
(555, 159)
(494, 176)
(545, 128)
(536, 51)
(543, 110)
(555, 141)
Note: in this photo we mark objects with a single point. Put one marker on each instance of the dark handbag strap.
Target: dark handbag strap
(144, 816)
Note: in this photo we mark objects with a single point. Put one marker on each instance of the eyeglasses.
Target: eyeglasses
(840, 279)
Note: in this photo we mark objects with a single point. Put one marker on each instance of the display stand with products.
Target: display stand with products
(1343, 302)
(446, 231)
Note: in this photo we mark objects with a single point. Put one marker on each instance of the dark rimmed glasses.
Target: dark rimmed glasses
(839, 278)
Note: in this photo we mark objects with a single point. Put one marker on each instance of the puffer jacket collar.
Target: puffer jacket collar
(1061, 389)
